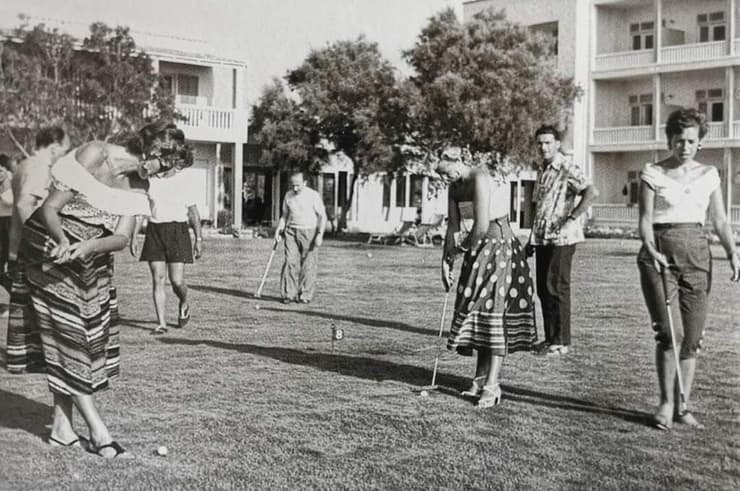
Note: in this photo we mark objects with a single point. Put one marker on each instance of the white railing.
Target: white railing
(736, 129)
(615, 214)
(737, 46)
(624, 59)
(683, 53)
(715, 131)
(201, 117)
(735, 215)
(623, 134)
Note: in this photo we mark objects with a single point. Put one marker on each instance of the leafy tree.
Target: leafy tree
(353, 102)
(483, 86)
(287, 139)
(99, 88)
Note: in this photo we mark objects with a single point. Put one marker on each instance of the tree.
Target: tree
(286, 138)
(483, 86)
(352, 99)
(100, 88)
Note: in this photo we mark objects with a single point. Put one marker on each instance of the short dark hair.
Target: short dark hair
(547, 129)
(686, 117)
(49, 136)
(141, 143)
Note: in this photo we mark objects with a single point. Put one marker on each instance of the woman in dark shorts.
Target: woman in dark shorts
(167, 246)
(675, 195)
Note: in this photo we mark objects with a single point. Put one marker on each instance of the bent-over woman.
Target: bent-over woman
(494, 311)
(675, 195)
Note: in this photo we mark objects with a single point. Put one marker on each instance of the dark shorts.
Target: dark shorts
(687, 251)
(168, 242)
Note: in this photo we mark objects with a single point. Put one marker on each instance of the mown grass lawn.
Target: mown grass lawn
(256, 398)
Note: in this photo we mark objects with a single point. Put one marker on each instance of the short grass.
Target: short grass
(256, 398)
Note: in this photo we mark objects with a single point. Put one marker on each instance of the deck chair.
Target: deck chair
(407, 225)
(426, 234)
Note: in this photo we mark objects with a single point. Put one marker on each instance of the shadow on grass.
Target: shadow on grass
(144, 325)
(380, 370)
(235, 293)
(24, 414)
(365, 321)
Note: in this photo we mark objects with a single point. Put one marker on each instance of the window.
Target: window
(712, 103)
(641, 110)
(401, 190)
(167, 83)
(386, 191)
(643, 35)
(712, 27)
(187, 85)
(417, 182)
(342, 191)
(632, 190)
(327, 191)
(550, 32)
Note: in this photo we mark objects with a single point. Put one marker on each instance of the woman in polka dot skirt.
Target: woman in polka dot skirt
(494, 311)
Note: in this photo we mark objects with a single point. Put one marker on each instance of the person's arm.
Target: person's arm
(115, 242)
(134, 241)
(194, 221)
(449, 249)
(50, 216)
(588, 196)
(320, 210)
(646, 206)
(481, 211)
(283, 218)
(723, 229)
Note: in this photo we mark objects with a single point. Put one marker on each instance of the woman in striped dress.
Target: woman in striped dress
(91, 210)
(494, 311)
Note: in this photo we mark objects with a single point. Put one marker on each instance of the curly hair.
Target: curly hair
(142, 142)
(683, 118)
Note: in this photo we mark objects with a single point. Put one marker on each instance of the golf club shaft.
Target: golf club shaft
(439, 337)
(267, 270)
(679, 376)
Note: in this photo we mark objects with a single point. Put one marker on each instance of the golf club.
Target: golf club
(258, 293)
(433, 385)
(683, 408)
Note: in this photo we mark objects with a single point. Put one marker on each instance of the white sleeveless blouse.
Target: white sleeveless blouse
(676, 202)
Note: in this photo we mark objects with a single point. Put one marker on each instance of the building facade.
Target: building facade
(634, 71)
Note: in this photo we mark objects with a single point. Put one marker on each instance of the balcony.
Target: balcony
(213, 124)
(682, 53)
(630, 135)
(735, 215)
(623, 134)
(615, 214)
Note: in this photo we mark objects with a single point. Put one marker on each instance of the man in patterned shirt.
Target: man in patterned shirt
(556, 230)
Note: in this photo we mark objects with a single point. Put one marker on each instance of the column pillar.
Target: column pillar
(218, 184)
(657, 106)
(658, 36)
(237, 175)
(731, 27)
(728, 181)
(730, 106)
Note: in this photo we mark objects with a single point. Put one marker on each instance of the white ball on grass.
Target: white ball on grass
(162, 451)
(424, 393)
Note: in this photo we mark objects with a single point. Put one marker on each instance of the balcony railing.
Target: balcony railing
(681, 53)
(624, 59)
(715, 131)
(615, 214)
(623, 134)
(736, 129)
(213, 124)
(735, 215)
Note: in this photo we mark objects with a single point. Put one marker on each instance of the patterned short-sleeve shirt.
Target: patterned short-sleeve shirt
(555, 192)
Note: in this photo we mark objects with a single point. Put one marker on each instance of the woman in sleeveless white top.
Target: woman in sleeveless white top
(494, 311)
(675, 195)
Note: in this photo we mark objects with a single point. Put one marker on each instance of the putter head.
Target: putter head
(426, 388)
(257, 295)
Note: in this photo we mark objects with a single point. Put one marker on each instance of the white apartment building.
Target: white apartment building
(634, 71)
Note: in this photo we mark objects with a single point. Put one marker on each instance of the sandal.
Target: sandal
(557, 350)
(662, 419)
(159, 330)
(475, 388)
(114, 445)
(490, 396)
(58, 443)
(184, 317)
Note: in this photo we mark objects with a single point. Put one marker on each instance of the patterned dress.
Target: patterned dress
(494, 309)
(73, 305)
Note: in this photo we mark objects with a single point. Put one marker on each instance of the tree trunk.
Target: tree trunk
(342, 225)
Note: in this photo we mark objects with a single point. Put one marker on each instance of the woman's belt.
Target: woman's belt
(666, 226)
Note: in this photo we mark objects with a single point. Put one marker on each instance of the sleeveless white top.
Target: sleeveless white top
(676, 202)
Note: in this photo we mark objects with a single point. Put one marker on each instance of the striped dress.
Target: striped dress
(72, 306)
(494, 309)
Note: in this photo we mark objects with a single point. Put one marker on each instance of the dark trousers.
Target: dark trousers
(553, 288)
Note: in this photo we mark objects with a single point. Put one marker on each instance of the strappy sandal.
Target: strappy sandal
(475, 388)
(662, 420)
(159, 330)
(490, 396)
(184, 316)
(58, 443)
(114, 445)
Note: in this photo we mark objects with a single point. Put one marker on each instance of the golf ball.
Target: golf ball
(369, 255)
(162, 451)
(257, 307)
(424, 393)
